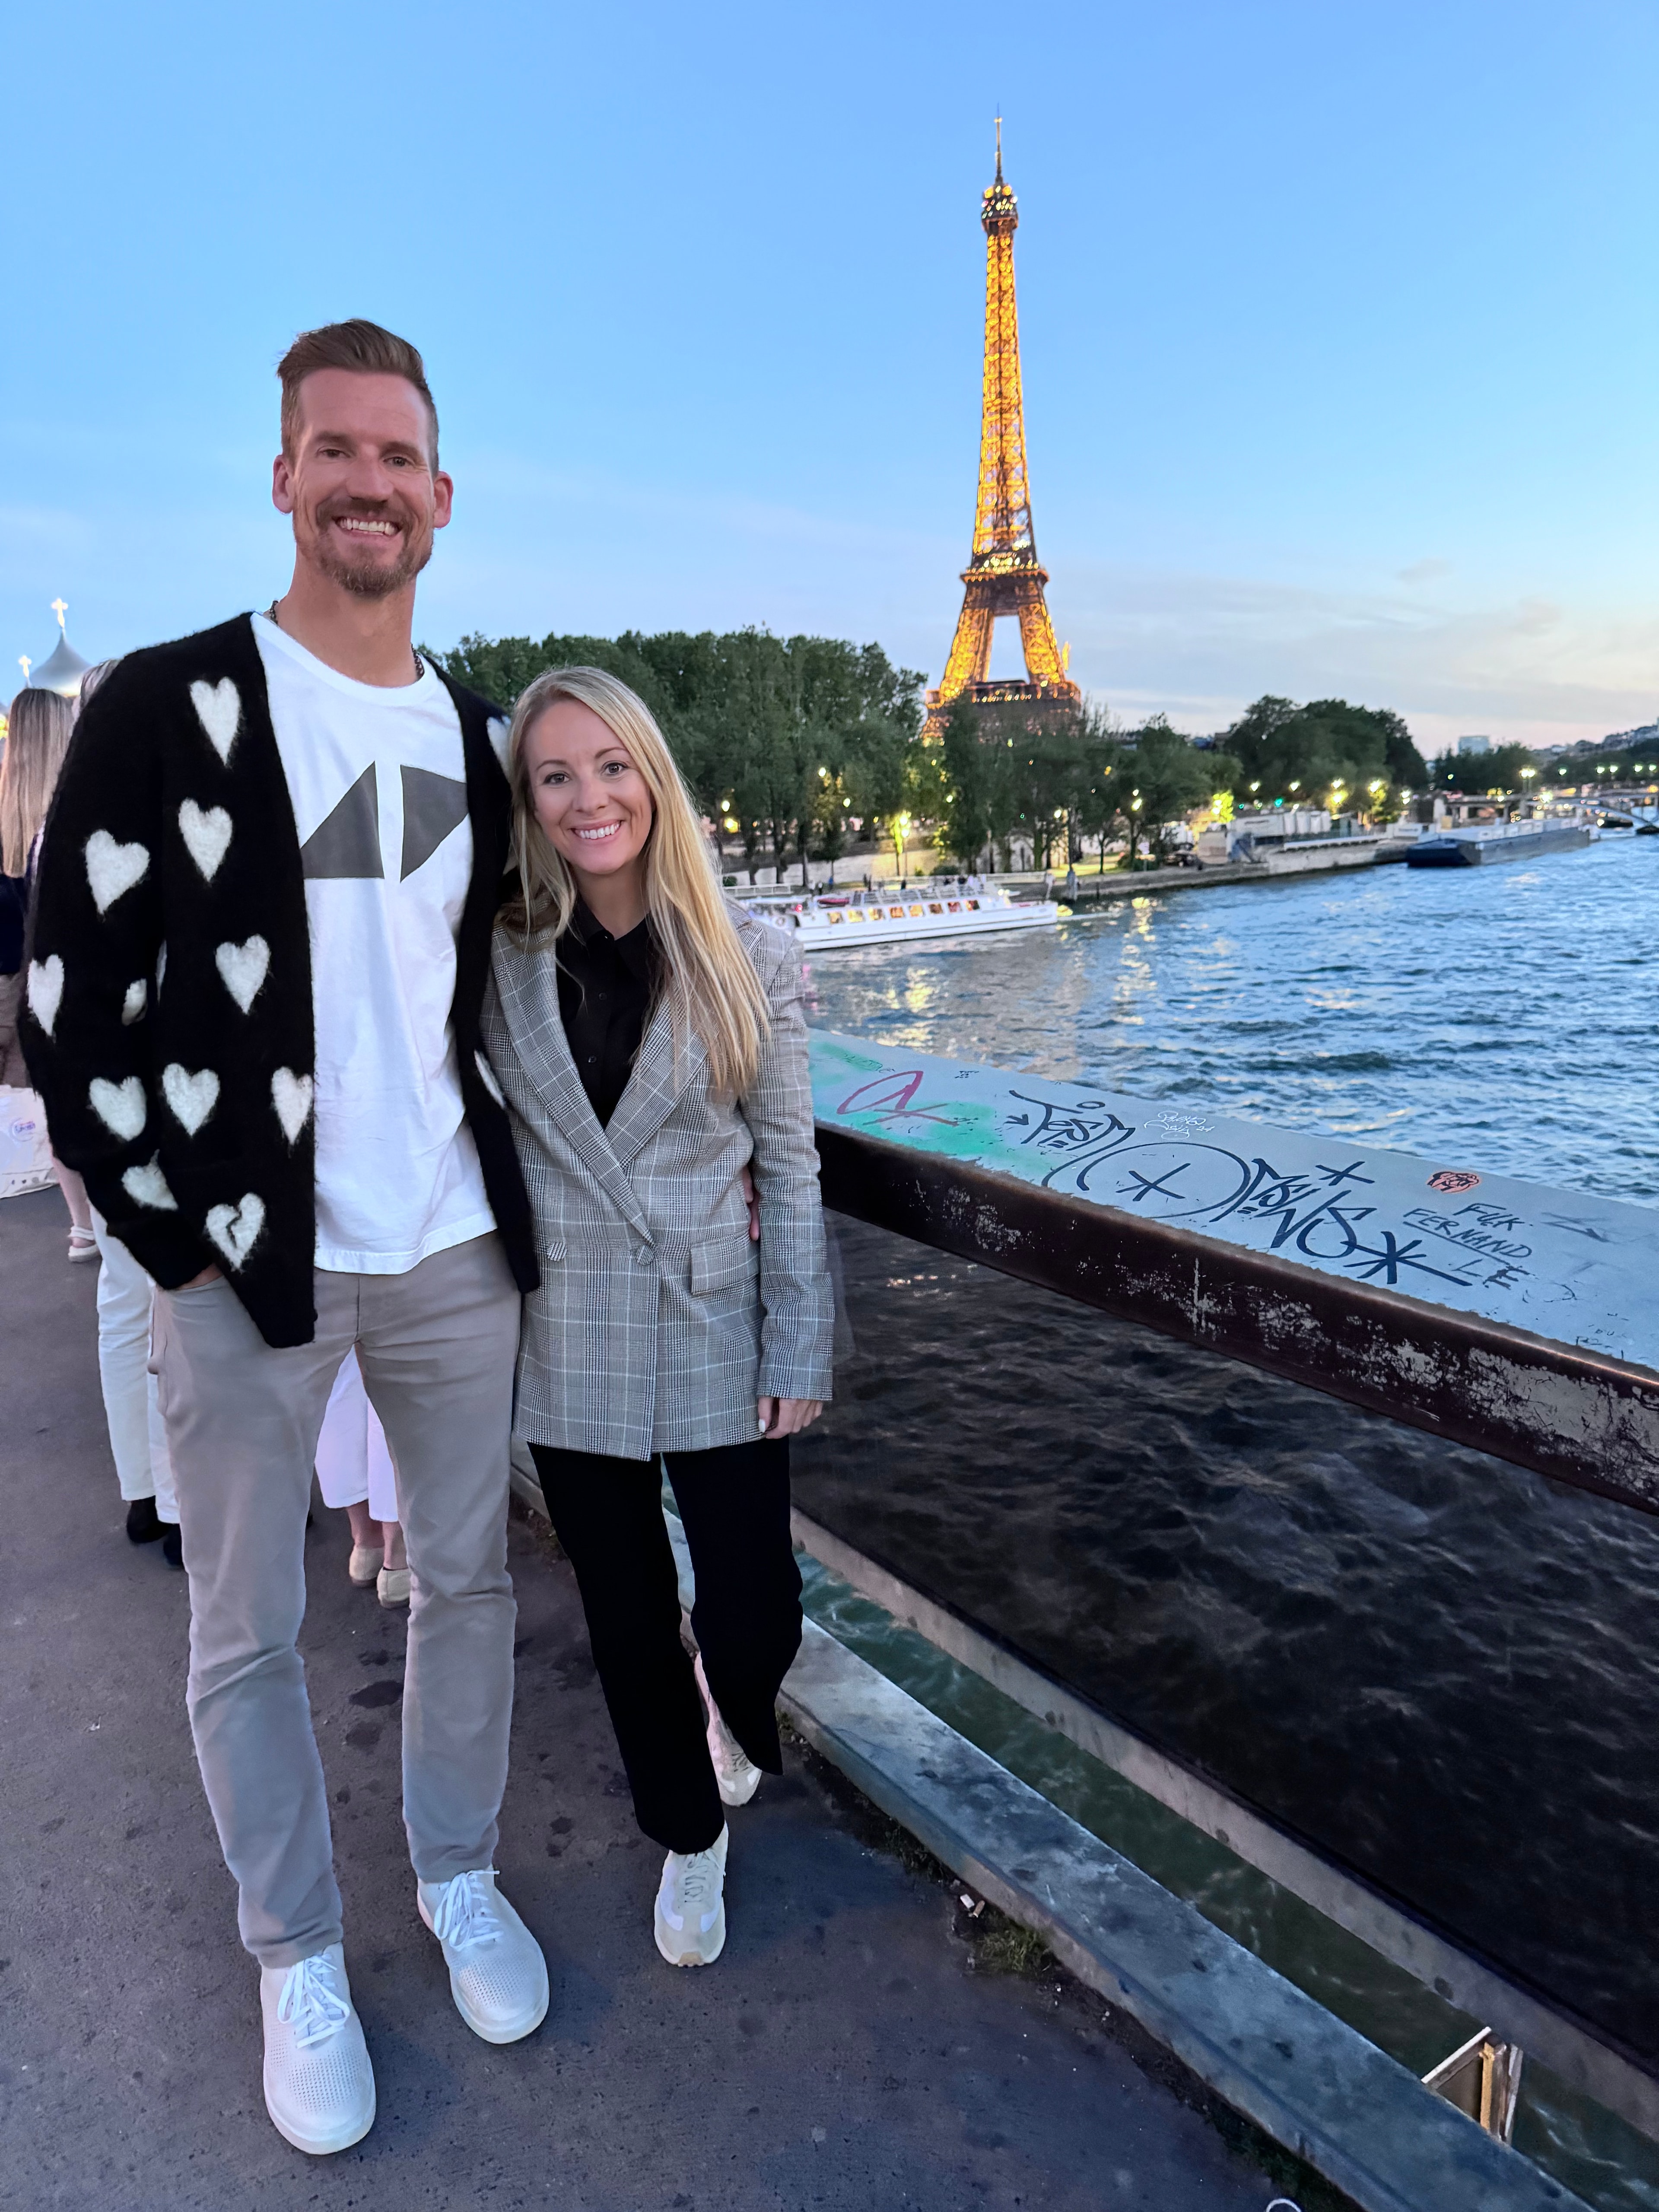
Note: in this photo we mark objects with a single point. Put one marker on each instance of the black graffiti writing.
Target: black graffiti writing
(1471, 1236)
(1078, 1135)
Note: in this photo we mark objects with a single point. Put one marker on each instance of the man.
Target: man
(261, 948)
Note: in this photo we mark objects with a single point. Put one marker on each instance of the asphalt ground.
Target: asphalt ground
(849, 2050)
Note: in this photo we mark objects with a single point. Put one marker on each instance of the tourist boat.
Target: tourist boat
(1478, 844)
(841, 921)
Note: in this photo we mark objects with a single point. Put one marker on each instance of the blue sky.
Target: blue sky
(1339, 321)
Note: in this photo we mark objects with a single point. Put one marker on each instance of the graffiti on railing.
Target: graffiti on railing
(1572, 1267)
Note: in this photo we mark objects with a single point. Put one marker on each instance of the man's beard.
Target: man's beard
(366, 577)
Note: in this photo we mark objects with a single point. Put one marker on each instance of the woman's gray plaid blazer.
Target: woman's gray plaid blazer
(659, 1322)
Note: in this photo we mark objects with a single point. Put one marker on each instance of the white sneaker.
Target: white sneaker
(364, 1564)
(691, 1916)
(736, 1772)
(392, 1586)
(497, 1975)
(320, 2085)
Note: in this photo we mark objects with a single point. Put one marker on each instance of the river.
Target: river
(1400, 1645)
(1504, 1015)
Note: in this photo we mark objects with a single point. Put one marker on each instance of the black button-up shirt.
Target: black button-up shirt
(606, 985)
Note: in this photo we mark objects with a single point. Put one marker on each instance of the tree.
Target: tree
(501, 667)
(1499, 770)
(1167, 779)
(1306, 754)
(1105, 790)
(970, 808)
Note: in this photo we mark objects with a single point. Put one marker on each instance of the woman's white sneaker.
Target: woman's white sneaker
(734, 1771)
(691, 1919)
(497, 1975)
(320, 2085)
(364, 1564)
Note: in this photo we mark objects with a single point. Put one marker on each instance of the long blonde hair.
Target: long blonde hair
(712, 989)
(37, 726)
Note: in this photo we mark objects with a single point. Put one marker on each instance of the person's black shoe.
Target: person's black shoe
(143, 1523)
(173, 1545)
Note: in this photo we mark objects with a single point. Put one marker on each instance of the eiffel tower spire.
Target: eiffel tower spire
(1004, 575)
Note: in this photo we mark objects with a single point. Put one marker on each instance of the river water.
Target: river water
(1437, 1666)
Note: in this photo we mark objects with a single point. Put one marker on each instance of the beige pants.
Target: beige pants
(437, 1347)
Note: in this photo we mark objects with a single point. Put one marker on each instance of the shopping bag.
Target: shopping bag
(25, 1155)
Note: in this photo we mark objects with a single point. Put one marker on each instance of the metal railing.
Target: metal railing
(1030, 1178)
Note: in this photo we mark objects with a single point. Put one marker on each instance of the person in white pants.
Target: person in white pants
(355, 1476)
(137, 1436)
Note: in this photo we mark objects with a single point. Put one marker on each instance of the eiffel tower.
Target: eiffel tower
(1004, 575)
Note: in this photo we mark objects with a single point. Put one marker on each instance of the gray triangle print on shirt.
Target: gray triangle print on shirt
(432, 806)
(348, 842)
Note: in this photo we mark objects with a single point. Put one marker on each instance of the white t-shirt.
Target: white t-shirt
(378, 781)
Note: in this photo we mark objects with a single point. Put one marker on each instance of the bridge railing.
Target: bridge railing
(1498, 1317)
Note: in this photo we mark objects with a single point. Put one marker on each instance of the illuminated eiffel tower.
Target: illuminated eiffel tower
(1004, 575)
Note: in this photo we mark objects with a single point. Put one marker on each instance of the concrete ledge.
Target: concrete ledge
(1274, 2054)
(1468, 1983)
(1363, 2122)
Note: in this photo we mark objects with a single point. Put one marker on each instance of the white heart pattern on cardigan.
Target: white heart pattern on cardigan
(192, 1097)
(114, 869)
(133, 1005)
(242, 969)
(206, 834)
(219, 709)
(235, 1229)
(148, 1186)
(45, 990)
(120, 1106)
(291, 1095)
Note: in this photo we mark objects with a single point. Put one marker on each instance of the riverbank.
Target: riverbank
(1342, 855)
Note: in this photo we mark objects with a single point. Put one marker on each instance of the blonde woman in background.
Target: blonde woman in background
(649, 1041)
(38, 727)
(137, 1438)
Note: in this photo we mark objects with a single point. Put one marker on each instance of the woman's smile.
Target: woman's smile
(593, 805)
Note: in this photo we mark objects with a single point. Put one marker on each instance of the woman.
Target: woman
(38, 727)
(649, 1041)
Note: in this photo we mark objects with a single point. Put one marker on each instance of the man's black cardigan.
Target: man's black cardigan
(169, 889)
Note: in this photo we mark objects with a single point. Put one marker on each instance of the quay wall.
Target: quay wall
(1271, 1589)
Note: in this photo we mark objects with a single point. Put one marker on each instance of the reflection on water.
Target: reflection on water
(1496, 1018)
(1501, 1015)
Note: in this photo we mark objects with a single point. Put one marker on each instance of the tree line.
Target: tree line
(791, 746)
(784, 742)
(1518, 768)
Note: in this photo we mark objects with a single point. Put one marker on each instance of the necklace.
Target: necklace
(272, 618)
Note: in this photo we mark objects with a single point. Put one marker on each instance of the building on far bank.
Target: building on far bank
(1474, 744)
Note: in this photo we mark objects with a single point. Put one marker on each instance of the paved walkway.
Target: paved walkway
(841, 2054)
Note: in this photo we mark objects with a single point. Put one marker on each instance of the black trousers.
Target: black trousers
(734, 1505)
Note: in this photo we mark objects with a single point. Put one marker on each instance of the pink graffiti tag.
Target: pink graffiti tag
(1453, 1180)
(893, 1105)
